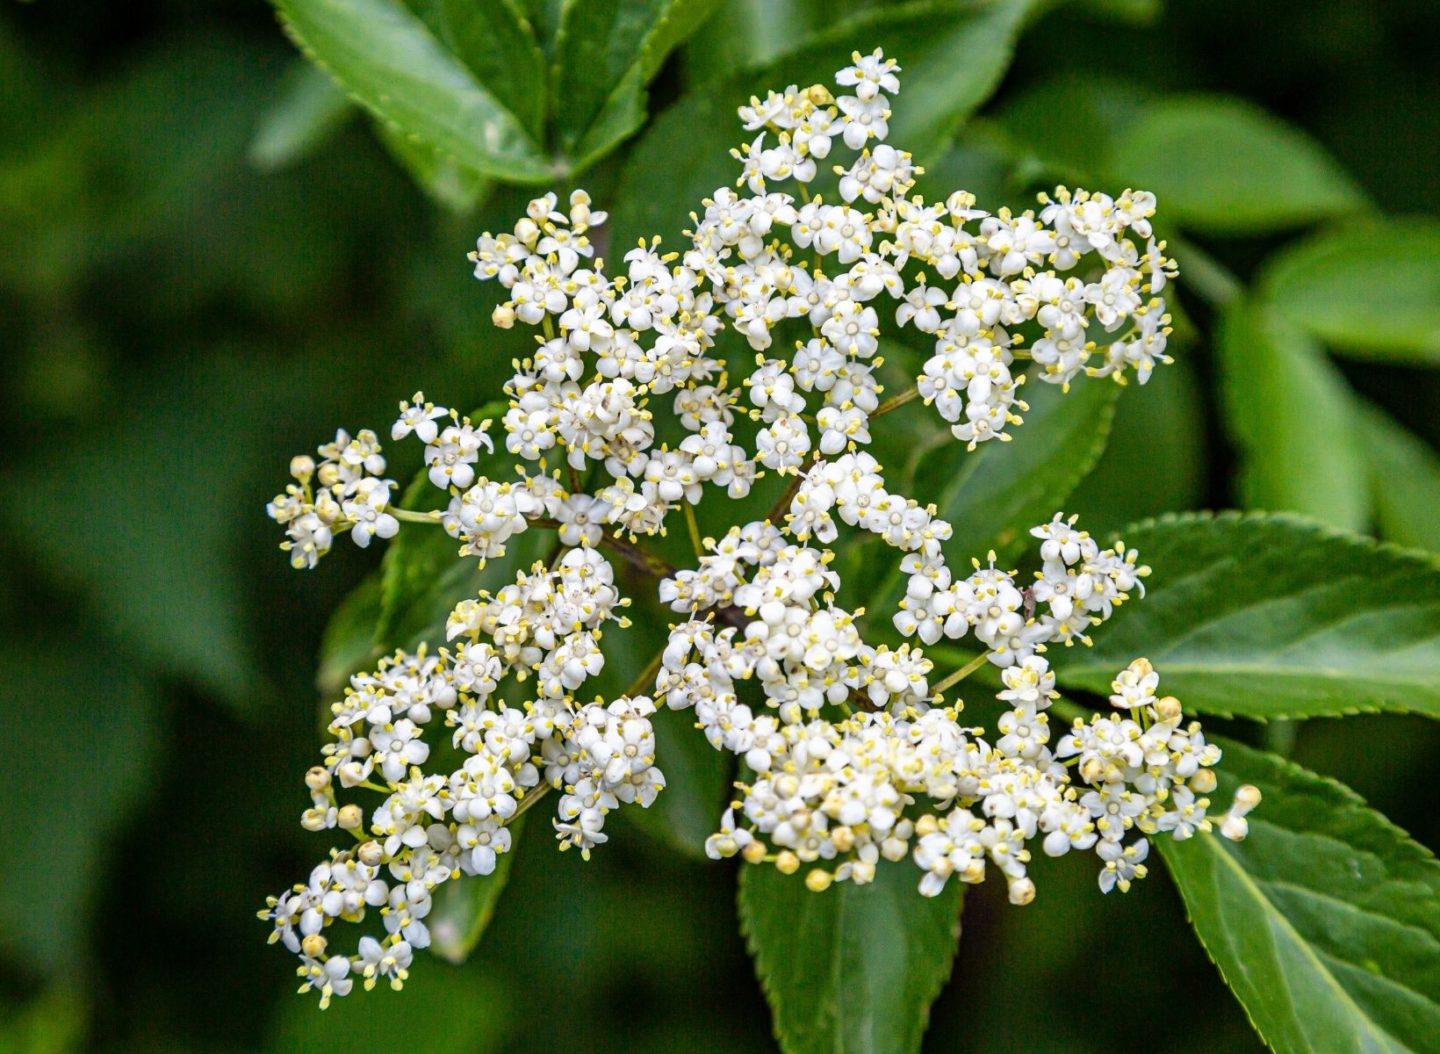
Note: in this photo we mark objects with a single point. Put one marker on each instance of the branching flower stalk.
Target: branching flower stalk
(852, 759)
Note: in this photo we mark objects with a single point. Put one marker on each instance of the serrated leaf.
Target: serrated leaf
(953, 54)
(1268, 616)
(852, 970)
(1292, 415)
(464, 906)
(311, 107)
(495, 40)
(1404, 480)
(608, 51)
(1370, 291)
(392, 63)
(1325, 921)
(1223, 166)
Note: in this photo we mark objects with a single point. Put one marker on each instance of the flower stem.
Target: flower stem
(895, 402)
(694, 527)
(962, 673)
(411, 516)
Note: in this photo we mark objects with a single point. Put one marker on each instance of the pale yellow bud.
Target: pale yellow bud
(818, 881)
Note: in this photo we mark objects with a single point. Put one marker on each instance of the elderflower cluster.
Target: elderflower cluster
(753, 351)
(434, 825)
(898, 775)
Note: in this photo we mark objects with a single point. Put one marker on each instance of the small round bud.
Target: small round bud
(328, 474)
(1203, 782)
(927, 824)
(503, 317)
(1247, 797)
(1168, 708)
(314, 945)
(317, 778)
(370, 854)
(787, 863)
(754, 852)
(302, 467)
(973, 872)
(315, 819)
(1022, 891)
(1234, 828)
(818, 881)
(527, 231)
(350, 817)
(843, 839)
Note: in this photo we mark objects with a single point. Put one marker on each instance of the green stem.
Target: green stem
(895, 403)
(694, 527)
(410, 516)
(962, 673)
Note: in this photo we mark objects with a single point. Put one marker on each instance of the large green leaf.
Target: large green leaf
(1325, 922)
(1293, 417)
(311, 107)
(464, 906)
(495, 40)
(348, 645)
(1222, 166)
(852, 970)
(1372, 291)
(1273, 616)
(754, 32)
(390, 61)
(608, 51)
(953, 55)
(1404, 480)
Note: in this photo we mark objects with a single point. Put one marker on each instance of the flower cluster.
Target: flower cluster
(432, 826)
(899, 774)
(755, 350)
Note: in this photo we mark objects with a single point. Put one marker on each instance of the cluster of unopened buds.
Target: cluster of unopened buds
(628, 409)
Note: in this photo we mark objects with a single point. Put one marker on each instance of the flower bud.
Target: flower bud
(317, 778)
(302, 467)
(787, 863)
(350, 817)
(503, 317)
(314, 945)
(817, 881)
(754, 852)
(1168, 708)
(370, 854)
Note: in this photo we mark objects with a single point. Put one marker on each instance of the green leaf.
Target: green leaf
(1073, 122)
(1222, 166)
(1371, 291)
(442, 1010)
(1404, 480)
(755, 32)
(1292, 415)
(495, 40)
(1325, 921)
(448, 183)
(423, 576)
(997, 492)
(697, 782)
(1274, 616)
(953, 54)
(852, 970)
(392, 64)
(608, 51)
(464, 906)
(348, 645)
(310, 109)
(994, 494)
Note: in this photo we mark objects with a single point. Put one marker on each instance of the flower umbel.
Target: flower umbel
(756, 349)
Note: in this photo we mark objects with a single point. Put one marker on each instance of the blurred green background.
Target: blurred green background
(180, 315)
